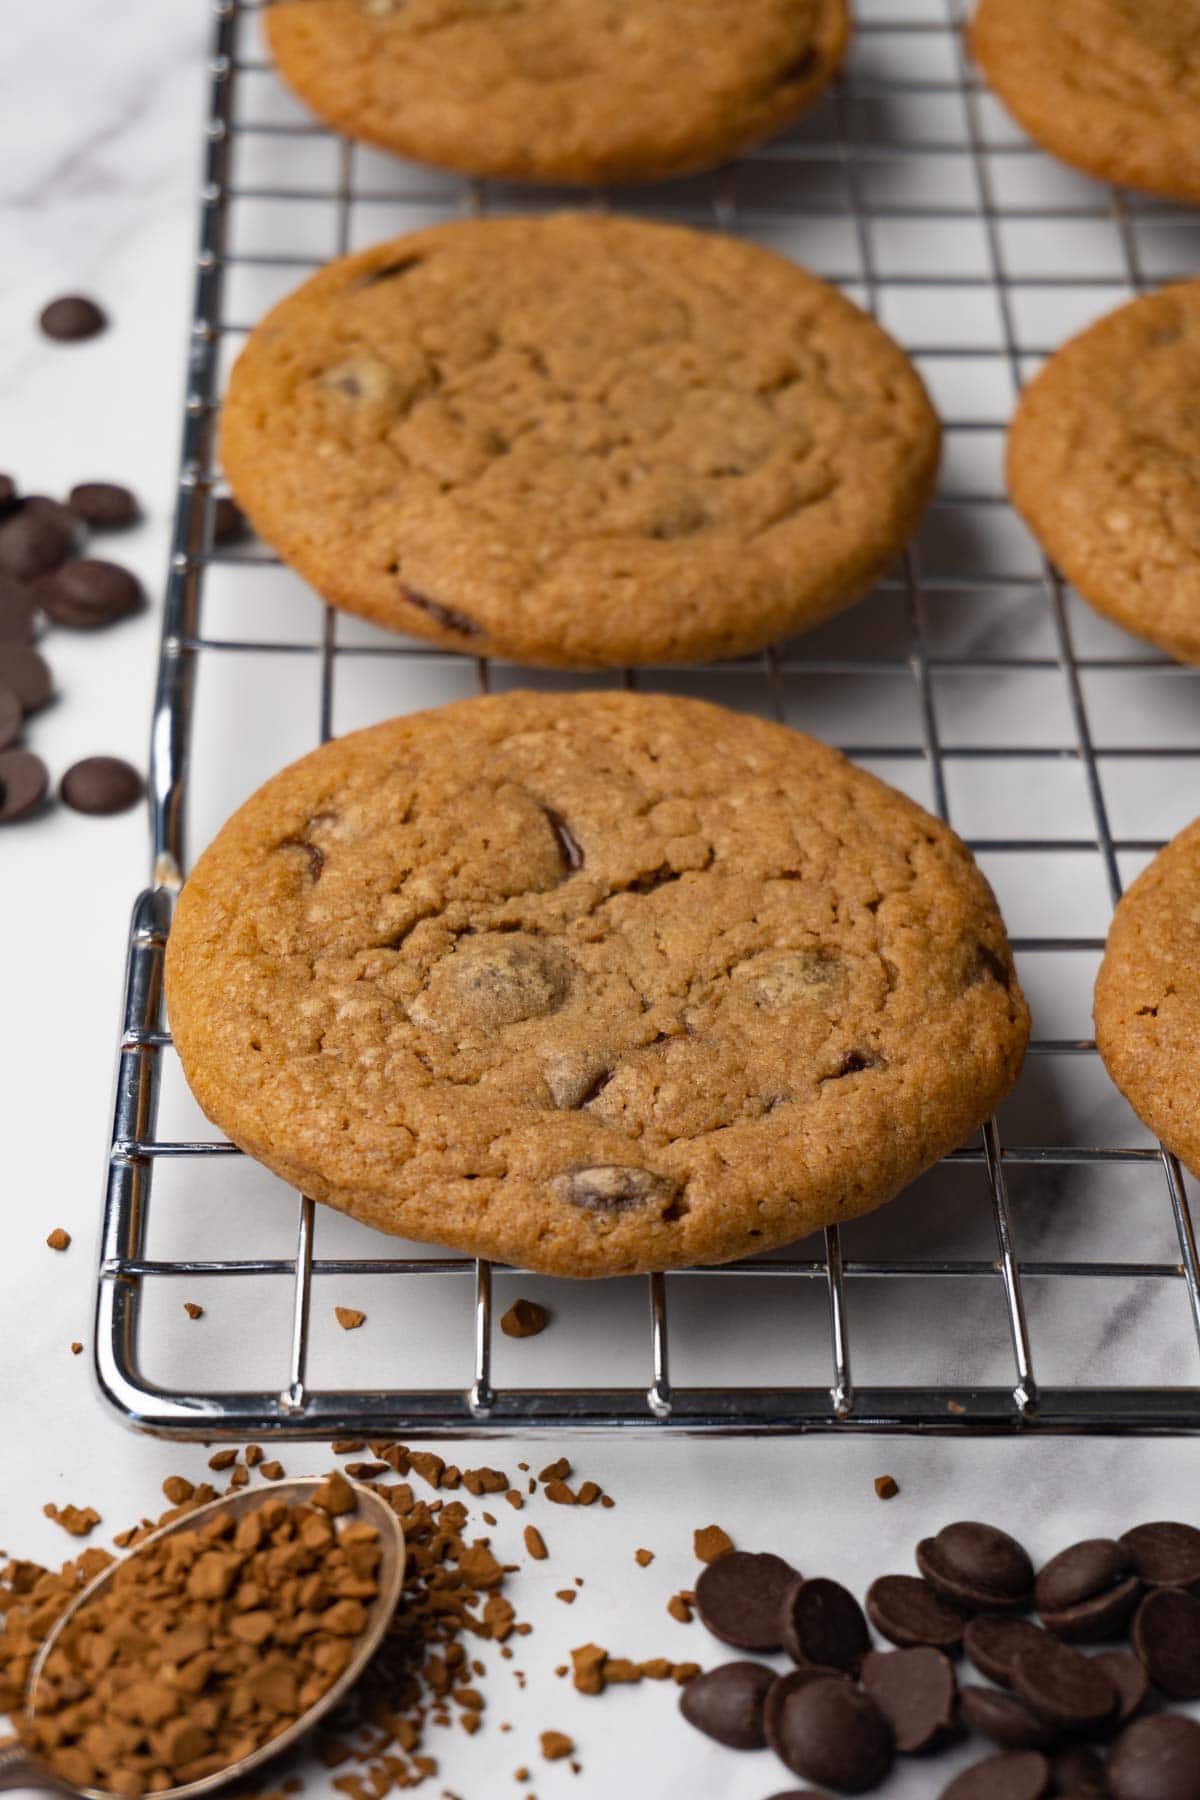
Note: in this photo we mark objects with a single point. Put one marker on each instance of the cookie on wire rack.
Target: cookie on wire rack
(591, 983)
(579, 440)
(1110, 86)
(570, 91)
(1104, 465)
(1148, 997)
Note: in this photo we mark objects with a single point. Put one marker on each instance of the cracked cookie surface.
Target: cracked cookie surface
(1104, 465)
(592, 983)
(1111, 86)
(1148, 997)
(569, 91)
(579, 440)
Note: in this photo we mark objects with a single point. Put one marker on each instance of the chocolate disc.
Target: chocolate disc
(18, 605)
(1166, 1637)
(1104, 1616)
(12, 717)
(781, 1687)
(905, 1610)
(915, 1690)
(104, 505)
(1077, 1771)
(101, 784)
(1005, 1719)
(727, 1704)
(992, 1645)
(823, 1623)
(1165, 1553)
(829, 1732)
(1130, 1680)
(1092, 1567)
(1015, 1775)
(87, 593)
(33, 542)
(27, 674)
(1063, 1686)
(71, 318)
(976, 1566)
(1156, 1759)
(24, 784)
(740, 1598)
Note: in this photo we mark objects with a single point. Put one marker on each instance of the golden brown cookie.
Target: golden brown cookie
(1104, 465)
(579, 440)
(593, 983)
(569, 91)
(1112, 86)
(1148, 997)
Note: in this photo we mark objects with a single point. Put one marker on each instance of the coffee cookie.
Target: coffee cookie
(594, 983)
(1104, 465)
(1111, 86)
(1147, 994)
(570, 91)
(579, 440)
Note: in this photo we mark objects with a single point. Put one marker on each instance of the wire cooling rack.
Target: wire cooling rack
(1045, 1276)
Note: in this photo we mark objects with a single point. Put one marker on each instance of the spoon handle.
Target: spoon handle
(19, 1770)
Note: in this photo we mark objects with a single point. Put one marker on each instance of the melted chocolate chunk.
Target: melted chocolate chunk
(445, 616)
(613, 1187)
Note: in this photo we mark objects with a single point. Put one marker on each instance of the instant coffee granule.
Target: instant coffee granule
(207, 1645)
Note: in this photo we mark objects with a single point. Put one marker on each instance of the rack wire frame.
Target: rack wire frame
(302, 1409)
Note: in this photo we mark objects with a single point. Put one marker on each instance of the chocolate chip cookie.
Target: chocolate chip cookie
(596, 983)
(579, 440)
(1112, 86)
(1148, 993)
(568, 91)
(1104, 464)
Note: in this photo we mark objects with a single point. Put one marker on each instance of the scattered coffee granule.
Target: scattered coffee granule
(607, 1500)
(192, 1310)
(78, 1520)
(77, 1348)
(222, 1459)
(887, 1487)
(559, 1493)
(588, 1664)
(366, 1471)
(515, 1500)
(680, 1609)
(566, 1595)
(239, 1478)
(177, 1489)
(682, 1673)
(658, 1668)
(429, 1467)
(271, 1471)
(710, 1542)
(484, 1481)
(197, 1652)
(59, 1239)
(347, 1446)
(556, 1745)
(535, 1543)
(253, 1454)
(643, 1558)
(524, 1318)
(349, 1317)
(521, 1774)
(556, 1471)
(588, 1491)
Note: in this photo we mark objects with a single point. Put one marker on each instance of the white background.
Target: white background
(102, 107)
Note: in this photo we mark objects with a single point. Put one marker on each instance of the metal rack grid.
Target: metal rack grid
(909, 62)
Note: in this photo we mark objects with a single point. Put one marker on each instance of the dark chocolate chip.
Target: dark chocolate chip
(1005, 1719)
(8, 495)
(915, 1690)
(976, 1565)
(12, 716)
(1165, 1553)
(782, 1686)
(905, 1610)
(24, 784)
(984, 961)
(829, 1731)
(18, 605)
(1086, 1569)
(1013, 1775)
(1104, 1616)
(1130, 1680)
(71, 317)
(568, 843)
(1156, 1759)
(823, 1623)
(87, 593)
(448, 617)
(613, 1187)
(992, 1644)
(101, 785)
(34, 541)
(740, 1598)
(229, 522)
(1166, 1637)
(27, 673)
(727, 1703)
(1062, 1685)
(104, 505)
(1077, 1771)
(314, 853)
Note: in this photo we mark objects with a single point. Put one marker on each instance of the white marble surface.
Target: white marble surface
(102, 108)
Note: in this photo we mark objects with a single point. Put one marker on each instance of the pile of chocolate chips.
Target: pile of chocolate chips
(1064, 1721)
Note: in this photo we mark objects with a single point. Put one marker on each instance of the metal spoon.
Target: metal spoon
(20, 1769)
